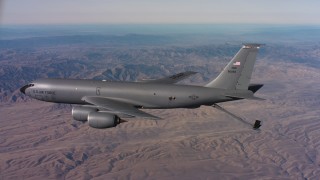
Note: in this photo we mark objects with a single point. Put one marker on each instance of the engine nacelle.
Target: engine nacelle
(103, 120)
(80, 113)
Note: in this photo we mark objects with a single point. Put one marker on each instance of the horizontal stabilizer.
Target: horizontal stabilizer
(254, 87)
(246, 97)
(249, 95)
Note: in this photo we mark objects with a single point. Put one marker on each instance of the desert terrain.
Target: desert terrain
(40, 140)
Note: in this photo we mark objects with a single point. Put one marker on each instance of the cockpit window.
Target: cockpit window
(23, 89)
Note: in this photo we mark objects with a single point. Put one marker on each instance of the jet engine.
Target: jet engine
(103, 120)
(80, 113)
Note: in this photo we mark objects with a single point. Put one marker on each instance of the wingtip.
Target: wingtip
(252, 45)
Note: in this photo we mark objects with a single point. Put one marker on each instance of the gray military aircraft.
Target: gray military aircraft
(104, 103)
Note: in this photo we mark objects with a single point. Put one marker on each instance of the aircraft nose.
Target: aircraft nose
(23, 89)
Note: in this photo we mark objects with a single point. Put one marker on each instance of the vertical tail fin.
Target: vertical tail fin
(237, 74)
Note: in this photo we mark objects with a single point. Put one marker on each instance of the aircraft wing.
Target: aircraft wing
(117, 107)
(170, 79)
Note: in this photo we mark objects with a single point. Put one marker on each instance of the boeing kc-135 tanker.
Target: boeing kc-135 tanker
(103, 103)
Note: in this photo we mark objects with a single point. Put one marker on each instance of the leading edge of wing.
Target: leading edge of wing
(170, 79)
(117, 107)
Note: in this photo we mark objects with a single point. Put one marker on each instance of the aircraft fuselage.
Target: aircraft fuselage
(144, 95)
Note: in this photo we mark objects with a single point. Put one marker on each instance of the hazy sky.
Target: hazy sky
(159, 11)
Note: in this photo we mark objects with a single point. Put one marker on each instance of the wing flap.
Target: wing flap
(117, 107)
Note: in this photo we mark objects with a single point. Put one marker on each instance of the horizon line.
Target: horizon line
(130, 23)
